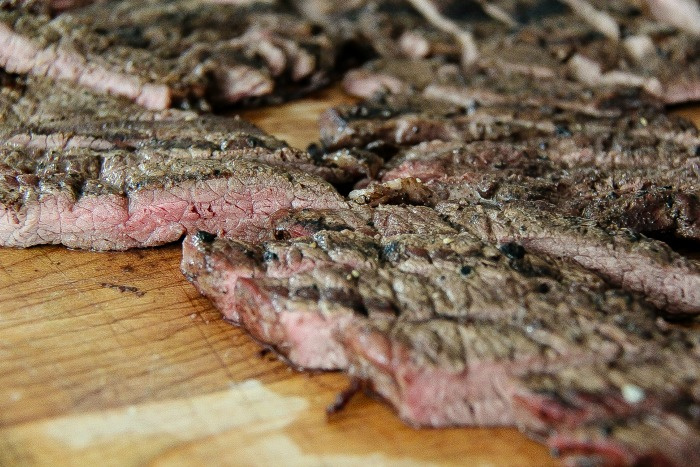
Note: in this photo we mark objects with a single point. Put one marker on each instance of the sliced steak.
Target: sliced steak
(162, 54)
(601, 44)
(644, 440)
(124, 199)
(448, 329)
(40, 115)
(575, 133)
(434, 319)
(659, 200)
(635, 263)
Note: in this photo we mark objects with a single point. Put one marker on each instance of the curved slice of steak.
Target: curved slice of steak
(571, 134)
(118, 199)
(162, 54)
(400, 304)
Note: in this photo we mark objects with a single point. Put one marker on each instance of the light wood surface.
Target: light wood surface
(114, 359)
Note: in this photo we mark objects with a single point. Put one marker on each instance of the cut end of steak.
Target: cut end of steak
(119, 200)
(429, 395)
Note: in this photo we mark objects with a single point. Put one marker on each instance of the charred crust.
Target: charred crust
(205, 237)
(512, 250)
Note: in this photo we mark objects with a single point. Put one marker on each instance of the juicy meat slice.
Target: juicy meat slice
(434, 319)
(120, 199)
(40, 115)
(632, 262)
(163, 54)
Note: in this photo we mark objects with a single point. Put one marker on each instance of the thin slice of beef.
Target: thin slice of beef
(633, 262)
(650, 197)
(587, 394)
(124, 199)
(40, 115)
(644, 440)
(574, 132)
(162, 54)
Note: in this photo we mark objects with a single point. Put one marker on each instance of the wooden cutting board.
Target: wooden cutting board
(115, 359)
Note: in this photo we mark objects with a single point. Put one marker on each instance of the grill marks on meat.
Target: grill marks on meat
(441, 324)
(117, 176)
(120, 199)
(163, 54)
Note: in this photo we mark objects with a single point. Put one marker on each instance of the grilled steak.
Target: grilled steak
(162, 54)
(123, 199)
(659, 201)
(556, 113)
(634, 263)
(449, 329)
(622, 256)
(598, 43)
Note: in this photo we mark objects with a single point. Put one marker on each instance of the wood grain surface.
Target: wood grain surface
(115, 359)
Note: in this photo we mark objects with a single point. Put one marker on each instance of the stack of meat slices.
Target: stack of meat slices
(509, 174)
(172, 52)
(498, 269)
(652, 45)
(97, 172)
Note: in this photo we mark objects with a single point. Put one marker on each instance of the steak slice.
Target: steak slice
(40, 115)
(448, 329)
(339, 296)
(574, 133)
(114, 200)
(657, 201)
(162, 54)
(606, 412)
(632, 262)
